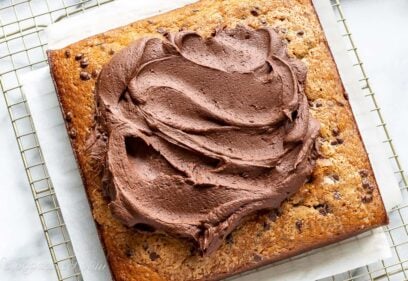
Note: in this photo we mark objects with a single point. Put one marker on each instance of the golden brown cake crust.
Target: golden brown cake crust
(340, 200)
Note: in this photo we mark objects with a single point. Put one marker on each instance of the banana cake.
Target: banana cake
(214, 139)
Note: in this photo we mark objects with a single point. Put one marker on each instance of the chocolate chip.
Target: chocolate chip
(72, 133)
(336, 195)
(111, 52)
(286, 41)
(299, 225)
(84, 62)
(363, 173)
(310, 179)
(84, 75)
(254, 12)
(323, 209)
(266, 225)
(318, 104)
(68, 116)
(95, 73)
(346, 96)
(273, 216)
(300, 33)
(336, 177)
(129, 252)
(153, 256)
(258, 257)
(335, 132)
(367, 198)
(229, 239)
(79, 56)
(337, 141)
(67, 53)
(145, 246)
(367, 186)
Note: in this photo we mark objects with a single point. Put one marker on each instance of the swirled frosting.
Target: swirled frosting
(200, 133)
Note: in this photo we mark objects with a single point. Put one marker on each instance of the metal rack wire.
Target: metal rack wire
(22, 49)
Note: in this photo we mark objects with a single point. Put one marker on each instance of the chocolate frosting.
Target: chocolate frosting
(200, 133)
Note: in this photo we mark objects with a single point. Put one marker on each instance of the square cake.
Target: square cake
(214, 139)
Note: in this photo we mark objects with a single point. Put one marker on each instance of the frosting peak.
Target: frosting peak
(203, 132)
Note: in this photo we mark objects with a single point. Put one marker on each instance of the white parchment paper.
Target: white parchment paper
(39, 90)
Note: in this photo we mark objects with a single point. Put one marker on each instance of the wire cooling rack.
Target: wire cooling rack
(22, 49)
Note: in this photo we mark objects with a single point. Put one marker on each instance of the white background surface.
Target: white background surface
(378, 28)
